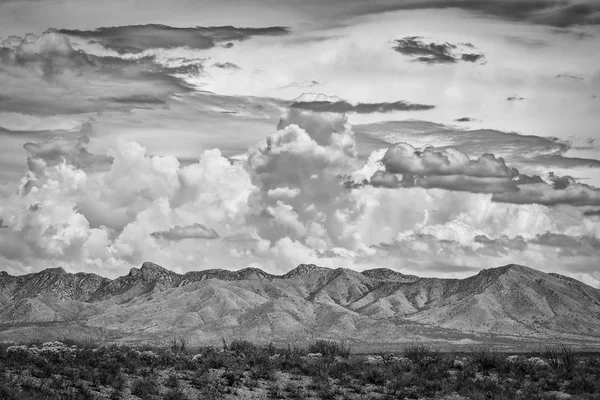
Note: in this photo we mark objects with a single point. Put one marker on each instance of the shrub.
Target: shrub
(422, 356)
(329, 348)
(242, 346)
(560, 357)
(172, 381)
(144, 388)
(175, 394)
(486, 359)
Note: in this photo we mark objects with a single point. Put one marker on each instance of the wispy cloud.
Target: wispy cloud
(195, 231)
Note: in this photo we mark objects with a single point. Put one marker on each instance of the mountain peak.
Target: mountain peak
(304, 269)
(53, 271)
(151, 272)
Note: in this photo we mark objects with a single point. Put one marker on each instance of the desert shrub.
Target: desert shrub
(275, 391)
(174, 394)
(295, 391)
(144, 388)
(329, 348)
(172, 381)
(422, 356)
(560, 357)
(233, 377)
(486, 359)
(583, 383)
(178, 345)
(242, 347)
(374, 375)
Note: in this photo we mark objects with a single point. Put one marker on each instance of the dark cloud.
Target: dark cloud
(38, 71)
(560, 190)
(360, 108)
(226, 65)
(567, 76)
(514, 97)
(570, 246)
(137, 38)
(464, 119)
(558, 13)
(433, 53)
(472, 57)
(502, 245)
(591, 213)
(195, 231)
(2, 224)
(385, 179)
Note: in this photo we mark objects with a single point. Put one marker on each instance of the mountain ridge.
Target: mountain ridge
(372, 305)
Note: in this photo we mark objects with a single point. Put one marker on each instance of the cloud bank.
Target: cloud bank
(137, 38)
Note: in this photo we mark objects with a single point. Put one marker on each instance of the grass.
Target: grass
(322, 370)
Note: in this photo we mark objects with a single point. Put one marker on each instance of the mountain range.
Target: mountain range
(373, 306)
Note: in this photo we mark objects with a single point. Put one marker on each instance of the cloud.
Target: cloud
(137, 38)
(195, 231)
(591, 213)
(226, 65)
(450, 169)
(343, 107)
(402, 158)
(561, 190)
(558, 13)
(433, 53)
(514, 97)
(41, 69)
(567, 76)
(464, 119)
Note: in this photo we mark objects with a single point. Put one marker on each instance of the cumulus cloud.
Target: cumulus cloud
(309, 155)
(137, 38)
(281, 203)
(450, 169)
(433, 53)
(402, 158)
(196, 231)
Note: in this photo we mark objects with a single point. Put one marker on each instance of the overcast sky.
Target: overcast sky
(434, 137)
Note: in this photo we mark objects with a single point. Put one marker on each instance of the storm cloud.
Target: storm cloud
(557, 13)
(433, 53)
(137, 38)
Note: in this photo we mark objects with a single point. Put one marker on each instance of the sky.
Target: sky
(432, 137)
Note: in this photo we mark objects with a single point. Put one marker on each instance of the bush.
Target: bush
(486, 359)
(144, 388)
(329, 348)
(175, 394)
(242, 347)
(560, 357)
(422, 356)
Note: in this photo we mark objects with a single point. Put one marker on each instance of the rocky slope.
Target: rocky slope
(375, 305)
